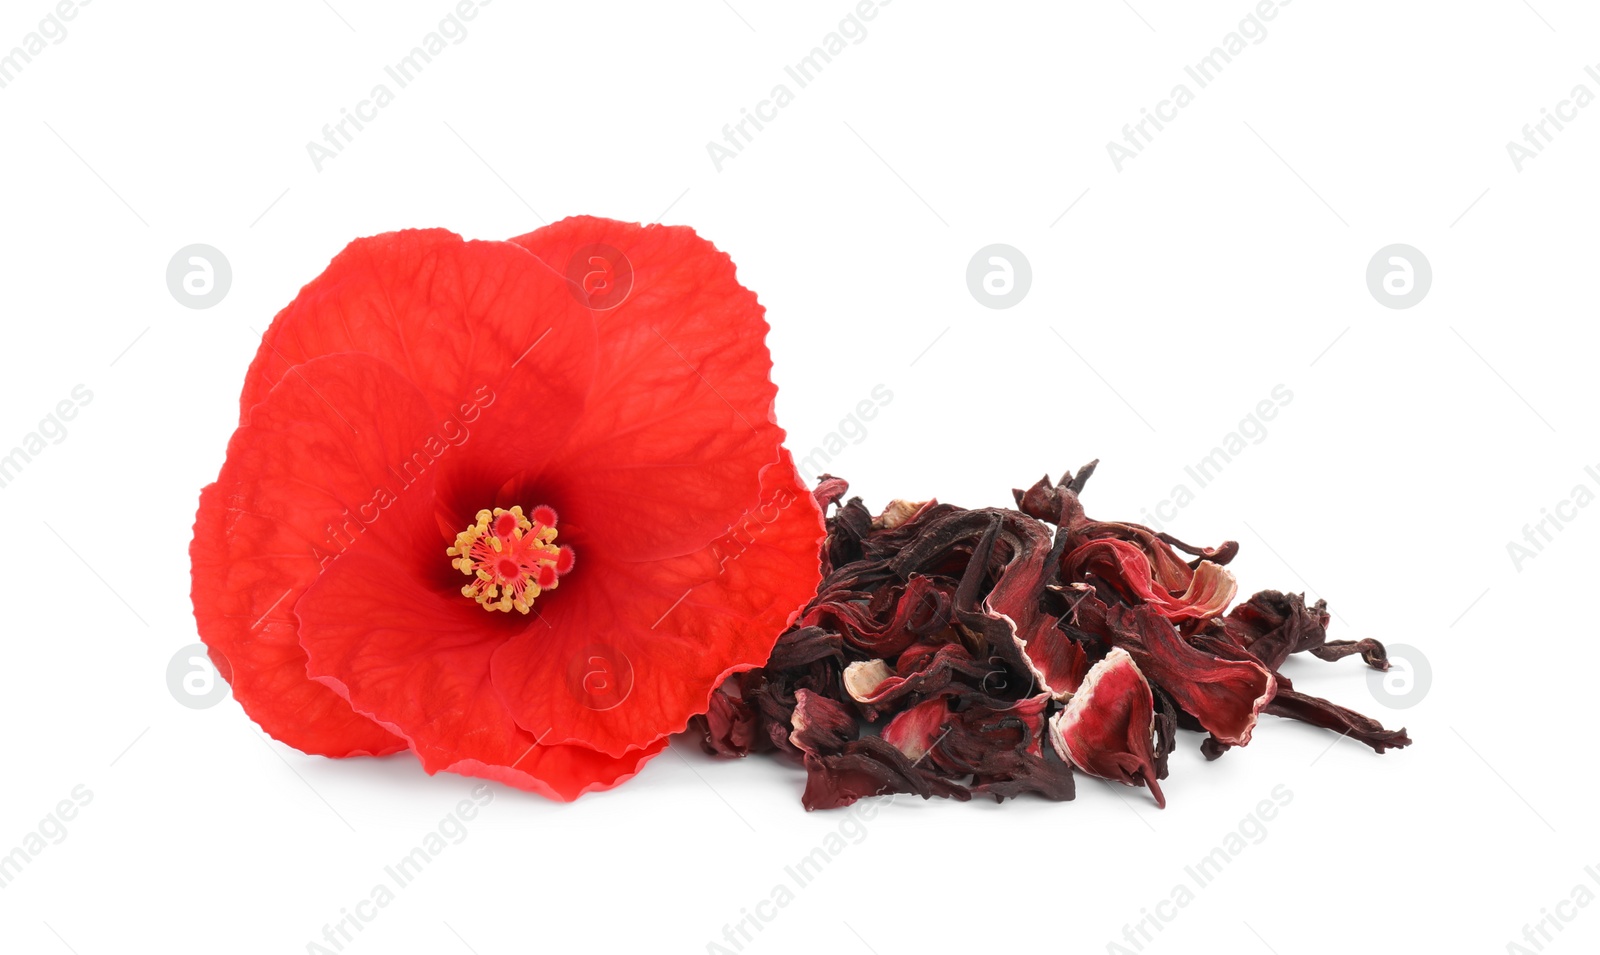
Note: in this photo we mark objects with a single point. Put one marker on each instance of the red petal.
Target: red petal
(307, 461)
(1225, 695)
(413, 658)
(418, 660)
(1127, 568)
(563, 772)
(679, 423)
(492, 338)
(1107, 729)
(915, 730)
(626, 653)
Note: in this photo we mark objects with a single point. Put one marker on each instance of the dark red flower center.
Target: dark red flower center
(510, 557)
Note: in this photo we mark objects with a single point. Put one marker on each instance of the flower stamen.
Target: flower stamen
(511, 557)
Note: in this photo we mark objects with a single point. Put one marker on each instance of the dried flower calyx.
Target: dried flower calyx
(957, 652)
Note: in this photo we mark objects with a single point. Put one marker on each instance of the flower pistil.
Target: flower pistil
(512, 558)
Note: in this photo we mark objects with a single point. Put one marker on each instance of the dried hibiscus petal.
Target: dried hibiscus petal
(1319, 712)
(876, 687)
(1002, 747)
(1108, 727)
(915, 731)
(731, 725)
(1226, 696)
(869, 767)
(1271, 626)
(963, 638)
(820, 725)
(1207, 590)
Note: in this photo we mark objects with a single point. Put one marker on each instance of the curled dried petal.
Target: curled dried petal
(869, 767)
(1108, 727)
(820, 726)
(1226, 696)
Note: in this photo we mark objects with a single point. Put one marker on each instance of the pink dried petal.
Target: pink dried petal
(1226, 696)
(915, 731)
(1056, 661)
(1209, 588)
(1108, 727)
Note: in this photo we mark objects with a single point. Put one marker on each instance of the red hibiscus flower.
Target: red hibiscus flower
(518, 506)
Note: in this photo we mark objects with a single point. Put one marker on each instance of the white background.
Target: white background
(1227, 259)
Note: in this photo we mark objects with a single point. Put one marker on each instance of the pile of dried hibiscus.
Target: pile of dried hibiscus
(944, 646)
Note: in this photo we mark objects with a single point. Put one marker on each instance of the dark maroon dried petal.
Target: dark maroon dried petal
(1226, 696)
(1272, 625)
(730, 727)
(1294, 705)
(820, 726)
(875, 686)
(805, 646)
(1169, 571)
(830, 490)
(884, 623)
(1223, 553)
(1043, 501)
(960, 633)
(1010, 623)
(1372, 652)
(1056, 504)
(1002, 748)
(869, 767)
(1166, 730)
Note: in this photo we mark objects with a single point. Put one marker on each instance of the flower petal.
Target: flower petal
(298, 484)
(1209, 589)
(418, 660)
(1226, 695)
(469, 323)
(1107, 729)
(915, 730)
(625, 653)
(563, 772)
(679, 422)
(820, 726)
